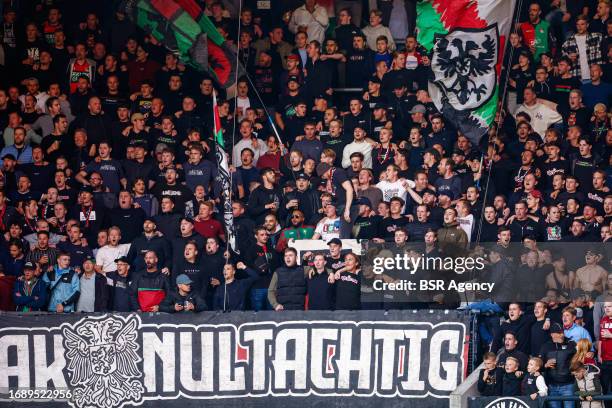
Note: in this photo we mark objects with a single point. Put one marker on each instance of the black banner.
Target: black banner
(241, 359)
(504, 402)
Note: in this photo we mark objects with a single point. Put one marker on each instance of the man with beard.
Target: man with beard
(303, 198)
(150, 241)
(149, 288)
(296, 230)
(287, 290)
(128, 217)
(266, 198)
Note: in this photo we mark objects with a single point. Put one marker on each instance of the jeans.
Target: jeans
(259, 300)
(346, 228)
(565, 390)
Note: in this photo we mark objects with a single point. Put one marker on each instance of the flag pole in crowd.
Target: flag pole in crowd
(224, 177)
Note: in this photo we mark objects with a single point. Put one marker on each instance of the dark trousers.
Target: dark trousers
(606, 380)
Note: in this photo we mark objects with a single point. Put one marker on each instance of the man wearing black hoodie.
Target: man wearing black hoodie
(127, 217)
(266, 198)
(264, 259)
(150, 287)
(168, 220)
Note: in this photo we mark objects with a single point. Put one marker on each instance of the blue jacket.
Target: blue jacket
(576, 333)
(24, 158)
(30, 297)
(64, 285)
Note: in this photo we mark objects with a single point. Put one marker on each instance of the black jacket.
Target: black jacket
(291, 287)
(142, 244)
(520, 327)
(174, 297)
(511, 385)
(234, 294)
(562, 353)
(129, 220)
(493, 385)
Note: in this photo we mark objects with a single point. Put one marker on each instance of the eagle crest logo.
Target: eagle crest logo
(103, 361)
(463, 65)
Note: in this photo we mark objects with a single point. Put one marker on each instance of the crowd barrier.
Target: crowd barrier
(341, 359)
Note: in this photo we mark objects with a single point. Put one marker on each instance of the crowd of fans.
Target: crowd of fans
(111, 200)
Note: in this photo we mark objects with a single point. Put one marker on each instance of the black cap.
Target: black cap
(459, 152)
(150, 219)
(293, 78)
(89, 258)
(334, 241)
(9, 156)
(121, 259)
(429, 190)
(302, 176)
(364, 201)
(374, 79)
(29, 265)
(556, 328)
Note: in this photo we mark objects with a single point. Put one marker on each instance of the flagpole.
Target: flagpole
(497, 120)
(263, 105)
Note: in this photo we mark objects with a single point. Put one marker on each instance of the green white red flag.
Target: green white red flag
(466, 39)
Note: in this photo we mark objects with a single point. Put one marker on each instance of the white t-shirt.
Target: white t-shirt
(106, 256)
(242, 104)
(582, 56)
(395, 189)
(328, 228)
